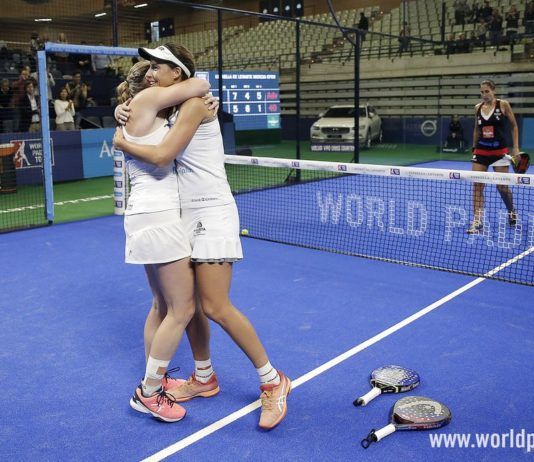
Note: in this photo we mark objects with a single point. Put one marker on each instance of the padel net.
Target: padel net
(414, 216)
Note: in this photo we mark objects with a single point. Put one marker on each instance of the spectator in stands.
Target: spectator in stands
(529, 18)
(486, 11)
(476, 13)
(455, 138)
(450, 47)
(460, 11)
(102, 64)
(6, 106)
(462, 44)
(64, 109)
(50, 81)
(512, 24)
(62, 59)
(83, 61)
(18, 93)
(404, 38)
(363, 24)
(495, 28)
(481, 31)
(4, 52)
(29, 113)
(78, 93)
(36, 43)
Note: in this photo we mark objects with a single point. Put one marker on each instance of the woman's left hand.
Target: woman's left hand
(515, 154)
(118, 138)
(212, 102)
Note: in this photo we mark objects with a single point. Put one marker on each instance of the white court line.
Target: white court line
(212, 428)
(73, 201)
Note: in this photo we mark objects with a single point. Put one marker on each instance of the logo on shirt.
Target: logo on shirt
(488, 131)
(199, 229)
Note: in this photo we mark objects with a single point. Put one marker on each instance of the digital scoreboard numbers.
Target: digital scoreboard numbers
(253, 98)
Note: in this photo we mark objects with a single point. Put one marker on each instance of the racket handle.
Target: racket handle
(376, 435)
(365, 399)
(384, 431)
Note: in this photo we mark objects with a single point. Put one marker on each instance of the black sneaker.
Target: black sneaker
(512, 218)
(475, 228)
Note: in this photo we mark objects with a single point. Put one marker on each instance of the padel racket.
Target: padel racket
(522, 164)
(412, 413)
(389, 379)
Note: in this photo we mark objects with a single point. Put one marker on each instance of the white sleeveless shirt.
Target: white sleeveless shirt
(152, 189)
(202, 178)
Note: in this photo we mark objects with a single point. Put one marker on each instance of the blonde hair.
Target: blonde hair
(134, 83)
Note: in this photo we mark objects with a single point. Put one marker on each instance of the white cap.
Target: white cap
(164, 54)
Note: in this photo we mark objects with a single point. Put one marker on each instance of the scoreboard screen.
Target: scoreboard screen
(253, 98)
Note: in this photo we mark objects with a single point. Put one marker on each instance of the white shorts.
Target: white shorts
(157, 237)
(213, 233)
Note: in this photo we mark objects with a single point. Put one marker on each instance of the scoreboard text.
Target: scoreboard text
(253, 98)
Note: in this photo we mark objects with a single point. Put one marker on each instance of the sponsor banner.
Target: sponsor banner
(331, 147)
(28, 156)
(527, 139)
(97, 152)
(422, 130)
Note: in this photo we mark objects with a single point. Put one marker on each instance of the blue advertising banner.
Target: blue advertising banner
(28, 158)
(97, 152)
(527, 134)
(67, 153)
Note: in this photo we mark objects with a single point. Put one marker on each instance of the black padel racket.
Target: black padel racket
(412, 413)
(389, 379)
(522, 164)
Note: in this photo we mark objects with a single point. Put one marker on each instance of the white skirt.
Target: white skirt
(157, 237)
(213, 233)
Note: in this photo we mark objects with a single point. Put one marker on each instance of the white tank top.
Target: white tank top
(202, 178)
(152, 189)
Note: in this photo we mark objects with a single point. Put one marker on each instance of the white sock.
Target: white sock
(268, 374)
(203, 371)
(155, 369)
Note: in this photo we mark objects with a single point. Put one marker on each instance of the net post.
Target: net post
(357, 52)
(120, 189)
(45, 130)
(297, 92)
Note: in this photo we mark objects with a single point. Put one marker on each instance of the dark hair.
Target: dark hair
(27, 83)
(60, 90)
(184, 55)
(490, 83)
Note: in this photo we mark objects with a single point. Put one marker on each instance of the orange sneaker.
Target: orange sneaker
(193, 389)
(160, 405)
(274, 402)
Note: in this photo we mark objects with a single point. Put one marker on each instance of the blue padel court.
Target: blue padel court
(72, 316)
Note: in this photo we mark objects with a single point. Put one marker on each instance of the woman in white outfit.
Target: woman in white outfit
(210, 217)
(64, 109)
(155, 236)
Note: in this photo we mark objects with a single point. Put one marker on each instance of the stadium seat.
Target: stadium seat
(108, 122)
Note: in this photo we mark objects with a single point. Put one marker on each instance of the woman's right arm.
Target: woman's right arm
(162, 97)
(191, 114)
(173, 95)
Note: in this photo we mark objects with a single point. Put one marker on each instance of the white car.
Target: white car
(336, 125)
